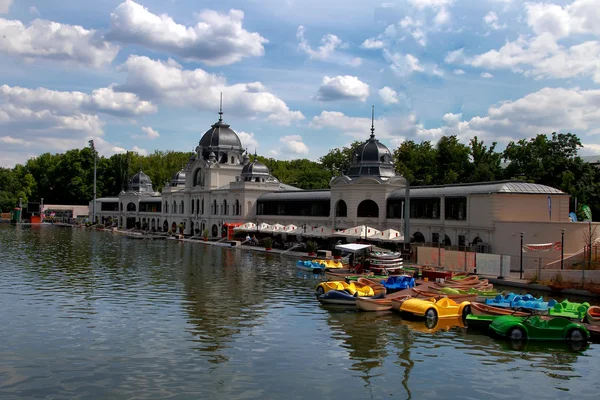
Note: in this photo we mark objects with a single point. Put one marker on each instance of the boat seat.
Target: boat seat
(443, 302)
(538, 322)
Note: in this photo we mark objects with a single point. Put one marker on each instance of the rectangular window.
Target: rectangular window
(425, 208)
(456, 208)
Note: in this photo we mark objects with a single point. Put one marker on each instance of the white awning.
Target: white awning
(319, 231)
(247, 227)
(278, 228)
(264, 227)
(389, 235)
(361, 231)
(352, 247)
(292, 229)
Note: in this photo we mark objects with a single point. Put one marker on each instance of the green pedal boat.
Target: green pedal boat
(567, 309)
(538, 328)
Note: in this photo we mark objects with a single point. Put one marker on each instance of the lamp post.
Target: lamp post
(562, 249)
(93, 148)
(521, 258)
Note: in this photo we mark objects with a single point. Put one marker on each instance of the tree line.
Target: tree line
(551, 160)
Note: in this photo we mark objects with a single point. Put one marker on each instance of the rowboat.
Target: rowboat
(455, 297)
(384, 304)
(593, 315)
(483, 309)
(338, 298)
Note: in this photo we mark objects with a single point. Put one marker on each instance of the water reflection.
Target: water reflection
(102, 316)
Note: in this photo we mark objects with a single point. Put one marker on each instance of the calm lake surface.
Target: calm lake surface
(97, 316)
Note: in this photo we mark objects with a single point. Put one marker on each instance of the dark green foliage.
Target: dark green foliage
(303, 174)
(338, 160)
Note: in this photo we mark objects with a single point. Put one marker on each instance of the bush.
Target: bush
(268, 242)
(534, 279)
(205, 234)
(311, 246)
(557, 279)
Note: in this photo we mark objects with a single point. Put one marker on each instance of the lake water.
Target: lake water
(97, 316)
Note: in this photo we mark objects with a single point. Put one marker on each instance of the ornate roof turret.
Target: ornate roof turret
(256, 172)
(178, 179)
(372, 158)
(220, 138)
(141, 183)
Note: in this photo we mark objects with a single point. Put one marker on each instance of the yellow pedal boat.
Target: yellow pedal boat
(432, 308)
(351, 288)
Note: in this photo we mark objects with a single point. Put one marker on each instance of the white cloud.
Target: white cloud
(169, 83)
(217, 39)
(420, 4)
(103, 100)
(437, 71)
(293, 144)
(413, 27)
(548, 110)
(342, 88)
(403, 64)
(149, 134)
(57, 121)
(49, 40)
(391, 129)
(372, 44)
(33, 10)
(442, 17)
(458, 72)
(455, 57)
(328, 51)
(491, 19)
(140, 151)
(486, 75)
(388, 95)
(248, 140)
(581, 16)
(5, 6)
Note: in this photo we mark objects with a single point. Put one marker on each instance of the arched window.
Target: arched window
(202, 206)
(182, 209)
(341, 210)
(198, 177)
(166, 207)
(197, 206)
(232, 160)
(418, 237)
(193, 206)
(368, 209)
(215, 209)
(174, 227)
(237, 207)
(131, 207)
(447, 241)
(121, 206)
(225, 210)
(165, 225)
(215, 231)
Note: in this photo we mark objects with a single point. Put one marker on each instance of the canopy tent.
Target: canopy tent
(277, 228)
(352, 247)
(247, 227)
(292, 229)
(319, 231)
(389, 235)
(265, 228)
(361, 231)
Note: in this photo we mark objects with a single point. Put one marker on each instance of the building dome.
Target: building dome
(221, 140)
(372, 158)
(141, 182)
(257, 172)
(178, 179)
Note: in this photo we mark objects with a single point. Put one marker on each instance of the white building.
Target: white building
(220, 185)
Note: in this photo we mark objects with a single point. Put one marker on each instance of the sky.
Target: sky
(298, 77)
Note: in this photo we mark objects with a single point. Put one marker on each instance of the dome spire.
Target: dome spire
(372, 122)
(221, 108)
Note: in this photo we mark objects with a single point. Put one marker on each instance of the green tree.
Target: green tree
(486, 161)
(453, 161)
(337, 161)
(417, 162)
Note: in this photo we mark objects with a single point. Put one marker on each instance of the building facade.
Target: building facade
(221, 185)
